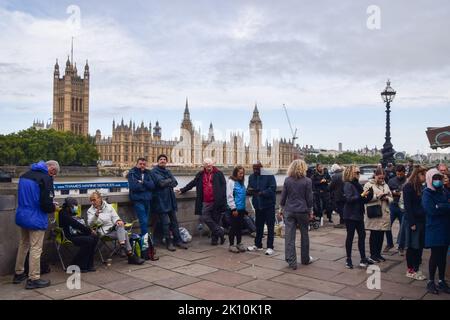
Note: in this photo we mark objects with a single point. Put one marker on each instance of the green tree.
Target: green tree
(31, 145)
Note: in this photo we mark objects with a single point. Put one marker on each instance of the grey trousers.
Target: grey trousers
(212, 219)
(122, 235)
(291, 220)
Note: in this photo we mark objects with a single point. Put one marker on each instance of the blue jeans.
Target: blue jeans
(142, 209)
(169, 223)
(396, 213)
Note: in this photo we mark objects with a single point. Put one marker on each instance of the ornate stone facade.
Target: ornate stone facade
(129, 142)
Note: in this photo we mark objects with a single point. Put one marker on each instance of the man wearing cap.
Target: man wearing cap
(262, 187)
(35, 202)
(211, 200)
(165, 203)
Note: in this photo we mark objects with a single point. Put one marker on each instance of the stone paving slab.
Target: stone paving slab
(260, 273)
(213, 291)
(60, 291)
(358, 293)
(228, 278)
(212, 272)
(315, 272)
(169, 262)
(350, 278)
(190, 255)
(10, 291)
(158, 293)
(177, 281)
(126, 284)
(153, 274)
(195, 270)
(267, 262)
(225, 262)
(273, 289)
(313, 295)
(309, 283)
(100, 295)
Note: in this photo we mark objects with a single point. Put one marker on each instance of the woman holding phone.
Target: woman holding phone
(355, 198)
(377, 218)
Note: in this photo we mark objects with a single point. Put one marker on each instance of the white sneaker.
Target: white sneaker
(311, 260)
(254, 248)
(269, 252)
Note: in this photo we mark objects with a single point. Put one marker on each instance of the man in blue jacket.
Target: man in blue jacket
(140, 184)
(165, 203)
(35, 197)
(262, 187)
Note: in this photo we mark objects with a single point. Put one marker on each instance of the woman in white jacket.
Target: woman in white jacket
(236, 200)
(103, 216)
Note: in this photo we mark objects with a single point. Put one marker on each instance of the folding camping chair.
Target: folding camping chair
(110, 243)
(60, 238)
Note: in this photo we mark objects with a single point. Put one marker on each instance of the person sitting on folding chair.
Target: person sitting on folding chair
(79, 234)
(103, 216)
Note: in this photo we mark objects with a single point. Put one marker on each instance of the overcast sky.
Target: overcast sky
(318, 57)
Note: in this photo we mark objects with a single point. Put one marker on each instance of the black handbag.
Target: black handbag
(374, 211)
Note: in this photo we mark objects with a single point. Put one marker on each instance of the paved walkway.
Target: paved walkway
(207, 272)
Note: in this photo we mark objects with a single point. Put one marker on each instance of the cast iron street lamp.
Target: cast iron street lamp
(388, 96)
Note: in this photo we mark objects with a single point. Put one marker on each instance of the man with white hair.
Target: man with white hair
(211, 200)
(35, 195)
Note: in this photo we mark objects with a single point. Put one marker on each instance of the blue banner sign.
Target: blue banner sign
(94, 185)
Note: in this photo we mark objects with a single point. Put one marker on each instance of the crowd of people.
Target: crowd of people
(415, 196)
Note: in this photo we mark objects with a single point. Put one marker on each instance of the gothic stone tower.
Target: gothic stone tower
(71, 99)
(255, 127)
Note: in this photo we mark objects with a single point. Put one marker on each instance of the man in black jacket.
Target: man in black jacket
(262, 186)
(322, 201)
(337, 193)
(211, 200)
(165, 203)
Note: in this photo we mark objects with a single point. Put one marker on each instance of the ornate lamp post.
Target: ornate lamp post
(388, 96)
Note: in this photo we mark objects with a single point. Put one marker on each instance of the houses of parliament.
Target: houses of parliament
(130, 141)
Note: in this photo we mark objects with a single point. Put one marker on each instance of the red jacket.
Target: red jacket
(208, 193)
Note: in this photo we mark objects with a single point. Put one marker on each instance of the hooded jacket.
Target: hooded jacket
(219, 190)
(35, 198)
(437, 210)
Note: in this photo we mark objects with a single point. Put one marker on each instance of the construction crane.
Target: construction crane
(294, 133)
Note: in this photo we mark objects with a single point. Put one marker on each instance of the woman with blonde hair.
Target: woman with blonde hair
(102, 215)
(297, 208)
(355, 199)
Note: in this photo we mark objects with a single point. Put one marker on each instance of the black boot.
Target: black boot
(35, 284)
(134, 259)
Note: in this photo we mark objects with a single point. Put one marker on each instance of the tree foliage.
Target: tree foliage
(343, 158)
(31, 145)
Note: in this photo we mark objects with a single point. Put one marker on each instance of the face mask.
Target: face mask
(437, 184)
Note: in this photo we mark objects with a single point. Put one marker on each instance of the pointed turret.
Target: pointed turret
(211, 133)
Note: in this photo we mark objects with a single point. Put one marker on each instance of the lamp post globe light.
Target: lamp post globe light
(388, 151)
